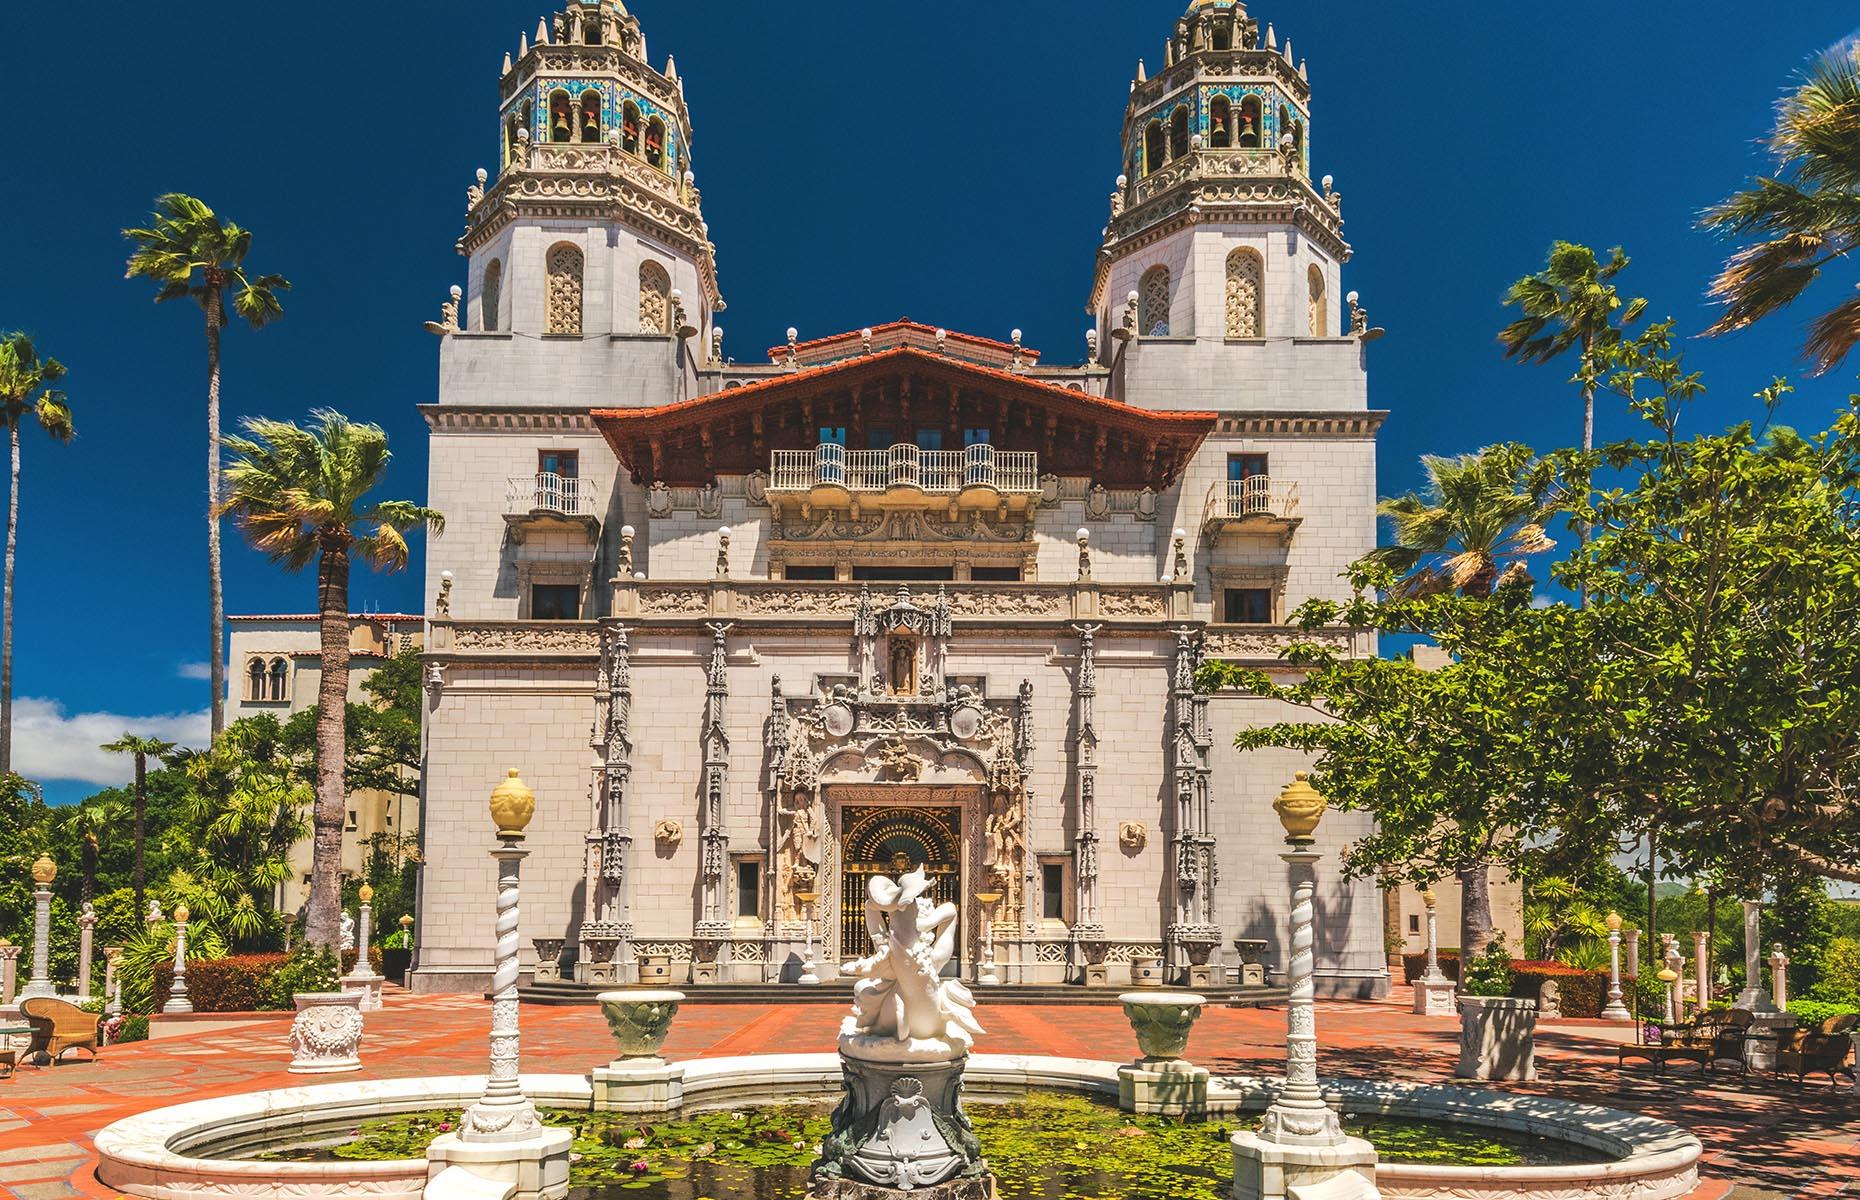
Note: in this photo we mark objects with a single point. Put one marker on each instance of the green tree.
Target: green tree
(190, 253)
(1805, 217)
(143, 748)
(1571, 304)
(301, 496)
(26, 394)
(382, 738)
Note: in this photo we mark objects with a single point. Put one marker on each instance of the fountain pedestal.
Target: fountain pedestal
(900, 1130)
(639, 1080)
(1162, 1083)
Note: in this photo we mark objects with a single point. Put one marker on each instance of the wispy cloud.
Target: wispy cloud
(50, 743)
(194, 670)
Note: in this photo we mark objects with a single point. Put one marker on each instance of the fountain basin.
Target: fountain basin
(191, 1151)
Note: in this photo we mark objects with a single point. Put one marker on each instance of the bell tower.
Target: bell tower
(1219, 240)
(593, 231)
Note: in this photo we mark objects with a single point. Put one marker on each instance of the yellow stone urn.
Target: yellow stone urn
(44, 870)
(1300, 807)
(512, 806)
(365, 894)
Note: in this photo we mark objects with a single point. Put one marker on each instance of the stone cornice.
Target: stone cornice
(1306, 424)
(461, 418)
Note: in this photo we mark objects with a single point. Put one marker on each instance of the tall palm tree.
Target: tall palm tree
(144, 748)
(1571, 304)
(87, 824)
(1472, 529)
(26, 394)
(1803, 218)
(300, 495)
(191, 253)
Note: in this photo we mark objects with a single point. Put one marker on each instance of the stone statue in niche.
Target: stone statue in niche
(902, 666)
(1004, 833)
(798, 851)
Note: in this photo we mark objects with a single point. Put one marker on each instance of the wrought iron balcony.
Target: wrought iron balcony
(1256, 504)
(976, 476)
(547, 499)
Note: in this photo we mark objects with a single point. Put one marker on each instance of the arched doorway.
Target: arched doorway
(891, 840)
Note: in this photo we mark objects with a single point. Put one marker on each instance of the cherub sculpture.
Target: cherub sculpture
(903, 1008)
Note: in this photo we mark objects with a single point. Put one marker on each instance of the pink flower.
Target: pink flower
(639, 1167)
(445, 1127)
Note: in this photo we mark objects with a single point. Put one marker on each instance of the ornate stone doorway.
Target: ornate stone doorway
(890, 839)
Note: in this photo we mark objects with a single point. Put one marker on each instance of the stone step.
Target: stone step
(838, 993)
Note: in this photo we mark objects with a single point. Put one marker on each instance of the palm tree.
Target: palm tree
(1571, 304)
(144, 748)
(300, 495)
(87, 823)
(1805, 217)
(191, 253)
(25, 394)
(1472, 530)
(1475, 525)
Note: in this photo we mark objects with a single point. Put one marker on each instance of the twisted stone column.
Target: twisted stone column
(503, 1113)
(1299, 1116)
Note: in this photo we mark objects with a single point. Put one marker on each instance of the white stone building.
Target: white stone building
(274, 666)
(753, 633)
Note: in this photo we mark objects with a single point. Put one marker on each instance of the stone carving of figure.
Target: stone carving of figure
(348, 932)
(798, 856)
(155, 913)
(1004, 837)
(903, 666)
(903, 1008)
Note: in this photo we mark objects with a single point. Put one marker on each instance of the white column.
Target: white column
(1753, 998)
(1616, 1010)
(1779, 978)
(112, 986)
(177, 991)
(1299, 1116)
(809, 970)
(1675, 962)
(364, 933)
(87, 923)
(503, 1113)
(1701, 966)
(41, 983)
(1433, 992)
(9, 972)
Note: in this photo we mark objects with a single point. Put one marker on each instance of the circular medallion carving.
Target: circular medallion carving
(965, 722)
(838, 719)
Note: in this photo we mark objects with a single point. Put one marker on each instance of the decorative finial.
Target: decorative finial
(1428, 898)
(506, 62)
(865, 340)
(542, 33)
(44, 870)
(512, 806)
(1614, 922)
(365, 894)
(1300, 806)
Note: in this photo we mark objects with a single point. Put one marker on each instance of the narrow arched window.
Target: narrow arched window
(280, 679)
(1178, 131)
(510, 138)
(563, 314)
(591, 32)
(1246, 288)
(1223, 34)
(490, 295)
(1152, 147)
(655, 142)
(1298, 144)
(591, 116)
(1221, 123)
(1153, 303)
(629, 128)
(561, 119)
(1320, 308)
(1247, 135)
(655, 298)
(255, 679)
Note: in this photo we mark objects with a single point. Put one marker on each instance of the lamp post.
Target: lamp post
(1300, 1136)
(177, 991)
(44, 870)
(1615, 1011)
(986, 973)
(1433, 992)
(289, 920)
(808, 967)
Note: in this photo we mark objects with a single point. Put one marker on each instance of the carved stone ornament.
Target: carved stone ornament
(326, 1036)
(1162, 1021)
(668, 832)
(639, 1020)
(1133, 835)
(659, 500)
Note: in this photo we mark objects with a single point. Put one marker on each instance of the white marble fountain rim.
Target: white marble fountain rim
(152, 1154)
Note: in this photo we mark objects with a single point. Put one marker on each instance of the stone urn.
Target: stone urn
(1161, 1082)
(326, 1035)
(1498, 1038)
(1162, 1020)
(639, 1019)
(655, 969)
(1300, 807)
(1146, 970)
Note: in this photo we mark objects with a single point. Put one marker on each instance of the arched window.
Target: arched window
(591, 32)
(561, 119)
(1153, 303)
(655, 303)
(1221, 123)
(1246, 288)
(563, 312)
(591, 116)
(1223, 35)
(280, 679)
(490, 295)
(629, 127)
(655, 142)
(1289, 125)
(1152, 147)
(510, 138)
(1247, 136)
(1320, 310)
(255, 679)
(1178, 131)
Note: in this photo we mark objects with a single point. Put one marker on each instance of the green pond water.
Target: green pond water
(1042, 1146)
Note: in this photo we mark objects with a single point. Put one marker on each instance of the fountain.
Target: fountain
(900, 1128)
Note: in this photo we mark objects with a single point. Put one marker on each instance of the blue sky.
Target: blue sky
(860, 162)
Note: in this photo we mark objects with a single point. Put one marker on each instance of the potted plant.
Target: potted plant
(397, 952)
(1498, 1031)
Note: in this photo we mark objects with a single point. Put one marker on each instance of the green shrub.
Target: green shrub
(309, 969)
(1814, 1012)
(1840, 973)
(1490, 974)
(238, 983)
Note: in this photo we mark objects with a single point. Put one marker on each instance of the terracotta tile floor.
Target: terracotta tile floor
(1763, 1140)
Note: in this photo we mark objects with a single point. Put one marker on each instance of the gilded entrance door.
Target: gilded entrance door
(891, 840)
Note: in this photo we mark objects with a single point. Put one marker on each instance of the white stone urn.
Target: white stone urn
(1498, 1038)
(639, 1019)
(326, 1036)
(1162, 1020)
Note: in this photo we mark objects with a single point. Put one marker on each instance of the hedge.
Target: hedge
(237, 983)
(1415, 965)
(1582, 993)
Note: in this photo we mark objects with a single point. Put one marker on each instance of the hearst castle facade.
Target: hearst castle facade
(899, 595)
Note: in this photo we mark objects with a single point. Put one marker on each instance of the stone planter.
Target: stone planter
(1161, 1082)
(1498, 1038)
(326, 1036)
(639, 1019)
(639, 1080)
(655, 970)
(1162, 1020)
(1146, 970)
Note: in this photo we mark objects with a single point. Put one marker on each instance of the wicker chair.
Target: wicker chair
(1823, 1048)
(58, 1026)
